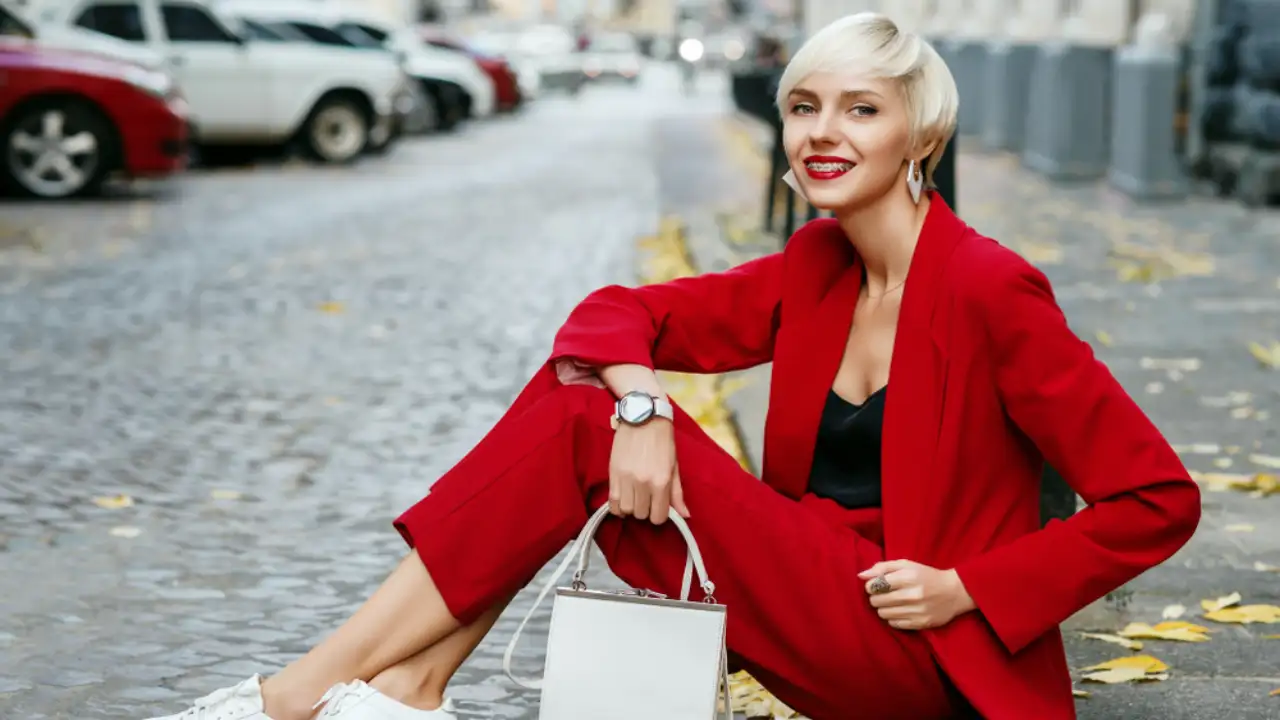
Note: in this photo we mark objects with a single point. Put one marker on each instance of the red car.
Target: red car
(68, 120)
(507, 96)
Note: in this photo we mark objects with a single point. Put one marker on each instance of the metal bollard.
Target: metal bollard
(944, 176)
(1007, 95)
(967, 61)
(1144, 161)
(1068, 128)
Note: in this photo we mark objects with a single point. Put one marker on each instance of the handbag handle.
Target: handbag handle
(692, 562)
(579, 550)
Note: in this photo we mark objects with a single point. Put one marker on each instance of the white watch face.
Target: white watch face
(635, 409)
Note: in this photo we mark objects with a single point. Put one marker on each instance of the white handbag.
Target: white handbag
(630, 655)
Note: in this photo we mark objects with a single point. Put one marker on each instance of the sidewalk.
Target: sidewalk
(1171, 297)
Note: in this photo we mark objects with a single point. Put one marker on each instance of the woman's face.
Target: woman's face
(846, 138)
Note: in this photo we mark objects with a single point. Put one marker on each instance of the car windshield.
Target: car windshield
(13, 26)
(255, 30)
(362, 35)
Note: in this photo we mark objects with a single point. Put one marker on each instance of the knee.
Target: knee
(585, 401)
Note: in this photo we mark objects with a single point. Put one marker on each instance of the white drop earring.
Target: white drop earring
(915, 180)
(794, 184)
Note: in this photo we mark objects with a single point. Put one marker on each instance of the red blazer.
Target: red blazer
(988, 382)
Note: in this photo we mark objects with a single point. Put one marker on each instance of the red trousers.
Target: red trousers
(799, 618)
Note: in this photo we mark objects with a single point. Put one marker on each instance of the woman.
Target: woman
(891, 562)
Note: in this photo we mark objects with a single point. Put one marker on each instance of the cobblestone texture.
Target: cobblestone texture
(323, 343)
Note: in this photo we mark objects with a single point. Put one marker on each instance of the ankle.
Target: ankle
(418, 690)
(279, 704)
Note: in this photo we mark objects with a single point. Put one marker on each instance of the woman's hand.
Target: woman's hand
(644, 480)
(919, 597)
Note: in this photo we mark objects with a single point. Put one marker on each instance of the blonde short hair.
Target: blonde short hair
(872, 43)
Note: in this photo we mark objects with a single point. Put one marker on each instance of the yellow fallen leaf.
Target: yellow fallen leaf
(1079, 693)
(331, 308)
(1115, 676)
(1225, 601)
(125, 531)
(1173, 612)
(1114, 640)
(1275, 692)
(1221, 482)
(1181, 624)
(1246, 614)
(1239, 527)
(1271, 637)
(1267, 356)
(114, 502)
(332, 401)
(1178, 631)
(1145, 663)
(226, 494)
(1104, 338)
(1263, 567)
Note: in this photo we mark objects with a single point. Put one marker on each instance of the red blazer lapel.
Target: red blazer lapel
(807, 357)
(914, 403)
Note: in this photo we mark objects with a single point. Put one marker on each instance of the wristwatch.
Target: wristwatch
(638, 408)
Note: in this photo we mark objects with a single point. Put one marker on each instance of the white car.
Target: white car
(243, 91)
(438, 69)
(613, 56)
(554, 52)
(61, 37)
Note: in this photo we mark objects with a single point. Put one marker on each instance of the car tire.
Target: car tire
(56, 148)
(337, 130)
(444, 104)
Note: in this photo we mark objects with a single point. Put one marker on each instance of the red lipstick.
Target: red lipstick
(827, 173)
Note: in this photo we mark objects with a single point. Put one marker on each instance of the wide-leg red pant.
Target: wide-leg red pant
(799, 618)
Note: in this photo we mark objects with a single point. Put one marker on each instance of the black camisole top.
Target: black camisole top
(846, 458)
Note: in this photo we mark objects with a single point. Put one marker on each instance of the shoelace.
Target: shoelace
(204, 707)
(336, 698)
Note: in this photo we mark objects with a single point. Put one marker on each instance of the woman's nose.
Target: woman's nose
(823, 129)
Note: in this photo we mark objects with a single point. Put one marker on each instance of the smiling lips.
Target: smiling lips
(826, 167)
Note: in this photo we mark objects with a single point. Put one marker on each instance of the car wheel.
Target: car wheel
(337, 131)
(445, 104)
(57, 148)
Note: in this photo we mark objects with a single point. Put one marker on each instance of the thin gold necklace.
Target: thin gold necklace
(886, 292)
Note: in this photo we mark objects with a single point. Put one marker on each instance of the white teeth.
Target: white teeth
(829, 166)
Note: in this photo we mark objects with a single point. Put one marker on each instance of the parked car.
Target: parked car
(305, 22)
(78, 39)
(507, 93)
(447, 77)
(502, 44)
(69, 120)
(613, 56)
(554, 52)
(244, 91)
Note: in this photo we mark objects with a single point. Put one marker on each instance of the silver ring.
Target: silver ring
(879, 586)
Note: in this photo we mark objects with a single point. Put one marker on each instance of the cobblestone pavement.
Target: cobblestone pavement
(273, 363)
(1170, 295)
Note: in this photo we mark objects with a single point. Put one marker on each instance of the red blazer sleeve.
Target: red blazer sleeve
(708, 323)
(1142, 506)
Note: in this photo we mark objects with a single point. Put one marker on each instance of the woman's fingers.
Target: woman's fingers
(642, 491)
(677, 494)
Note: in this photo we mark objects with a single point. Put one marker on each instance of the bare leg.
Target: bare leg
(404, 616)
(420, 681)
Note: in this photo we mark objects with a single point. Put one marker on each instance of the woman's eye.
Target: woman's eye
(802, 108)
(864, 110)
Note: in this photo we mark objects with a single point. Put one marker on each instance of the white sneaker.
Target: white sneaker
(358, 701)
(238, 702)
